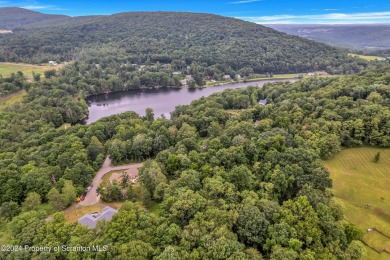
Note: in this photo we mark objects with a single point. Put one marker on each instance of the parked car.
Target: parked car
(83, 196)
(87, 189)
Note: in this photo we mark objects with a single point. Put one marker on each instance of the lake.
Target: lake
(162, 100)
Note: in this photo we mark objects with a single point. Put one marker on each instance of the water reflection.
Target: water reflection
(162, 101)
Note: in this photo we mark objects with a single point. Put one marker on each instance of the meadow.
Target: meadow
(366, 57)
(361, 187)
(6, 68)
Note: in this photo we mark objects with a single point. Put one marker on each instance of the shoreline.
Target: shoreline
(217, 84)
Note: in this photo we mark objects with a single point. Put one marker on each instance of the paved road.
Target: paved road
(92, 196)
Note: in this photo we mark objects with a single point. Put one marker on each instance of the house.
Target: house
(91, 220)
(183, 82)
(227, 77)
(176, 73)
(188, 77)
(238, 76)
(52, 63)
(311, 74)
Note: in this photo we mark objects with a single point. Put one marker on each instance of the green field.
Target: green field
(12, 99)
(6, 68)
(362, 188)
(365, 57)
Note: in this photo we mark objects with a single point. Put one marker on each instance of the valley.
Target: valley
(205, 137)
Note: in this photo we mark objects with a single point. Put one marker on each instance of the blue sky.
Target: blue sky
(260, 11)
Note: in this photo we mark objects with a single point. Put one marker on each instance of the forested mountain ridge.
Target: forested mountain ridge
(180, 39)
(228, 185)
(357, 37)
(14, 17)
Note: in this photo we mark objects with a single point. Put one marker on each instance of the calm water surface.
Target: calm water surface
(162, 101)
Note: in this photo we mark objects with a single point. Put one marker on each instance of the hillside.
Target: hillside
(366, 37)
(14, 17)
(182, 39)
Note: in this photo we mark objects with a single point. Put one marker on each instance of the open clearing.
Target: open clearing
(12, 99)
(74, 213)
(362, 188)
(6, 68)
(365, 57)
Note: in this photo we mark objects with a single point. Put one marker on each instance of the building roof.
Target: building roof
(90, 220)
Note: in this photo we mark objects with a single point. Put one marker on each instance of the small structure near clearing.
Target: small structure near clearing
(91, 220)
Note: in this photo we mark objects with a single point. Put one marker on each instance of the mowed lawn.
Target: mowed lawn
(362, 188)
(73, 213)
(6, 68)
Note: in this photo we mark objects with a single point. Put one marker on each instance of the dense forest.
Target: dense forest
(233, 179)
(216, 43)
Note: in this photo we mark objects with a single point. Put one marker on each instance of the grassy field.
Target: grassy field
(6, 68)
(12, 99)
(76, 213)
(365, 57)
(362, 188)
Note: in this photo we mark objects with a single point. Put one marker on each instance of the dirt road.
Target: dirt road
(92, 196)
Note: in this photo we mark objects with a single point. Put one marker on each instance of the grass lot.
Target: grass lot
(12, 99)
(357, 182)
(365, 57)
(6, 68)
(106, 177)
(76, 213)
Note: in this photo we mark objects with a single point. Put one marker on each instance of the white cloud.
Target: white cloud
(35, 7)
(342, 18)
(245, 1)
(40, 7)
(30, 4)
(331, 9)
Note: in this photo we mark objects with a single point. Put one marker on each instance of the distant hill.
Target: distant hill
(383, 53)
(183, 39)
(366, 37)
(14, 17)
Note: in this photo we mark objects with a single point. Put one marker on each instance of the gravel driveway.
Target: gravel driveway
(92, 196)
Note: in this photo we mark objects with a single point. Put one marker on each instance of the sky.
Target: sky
(259, 11)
